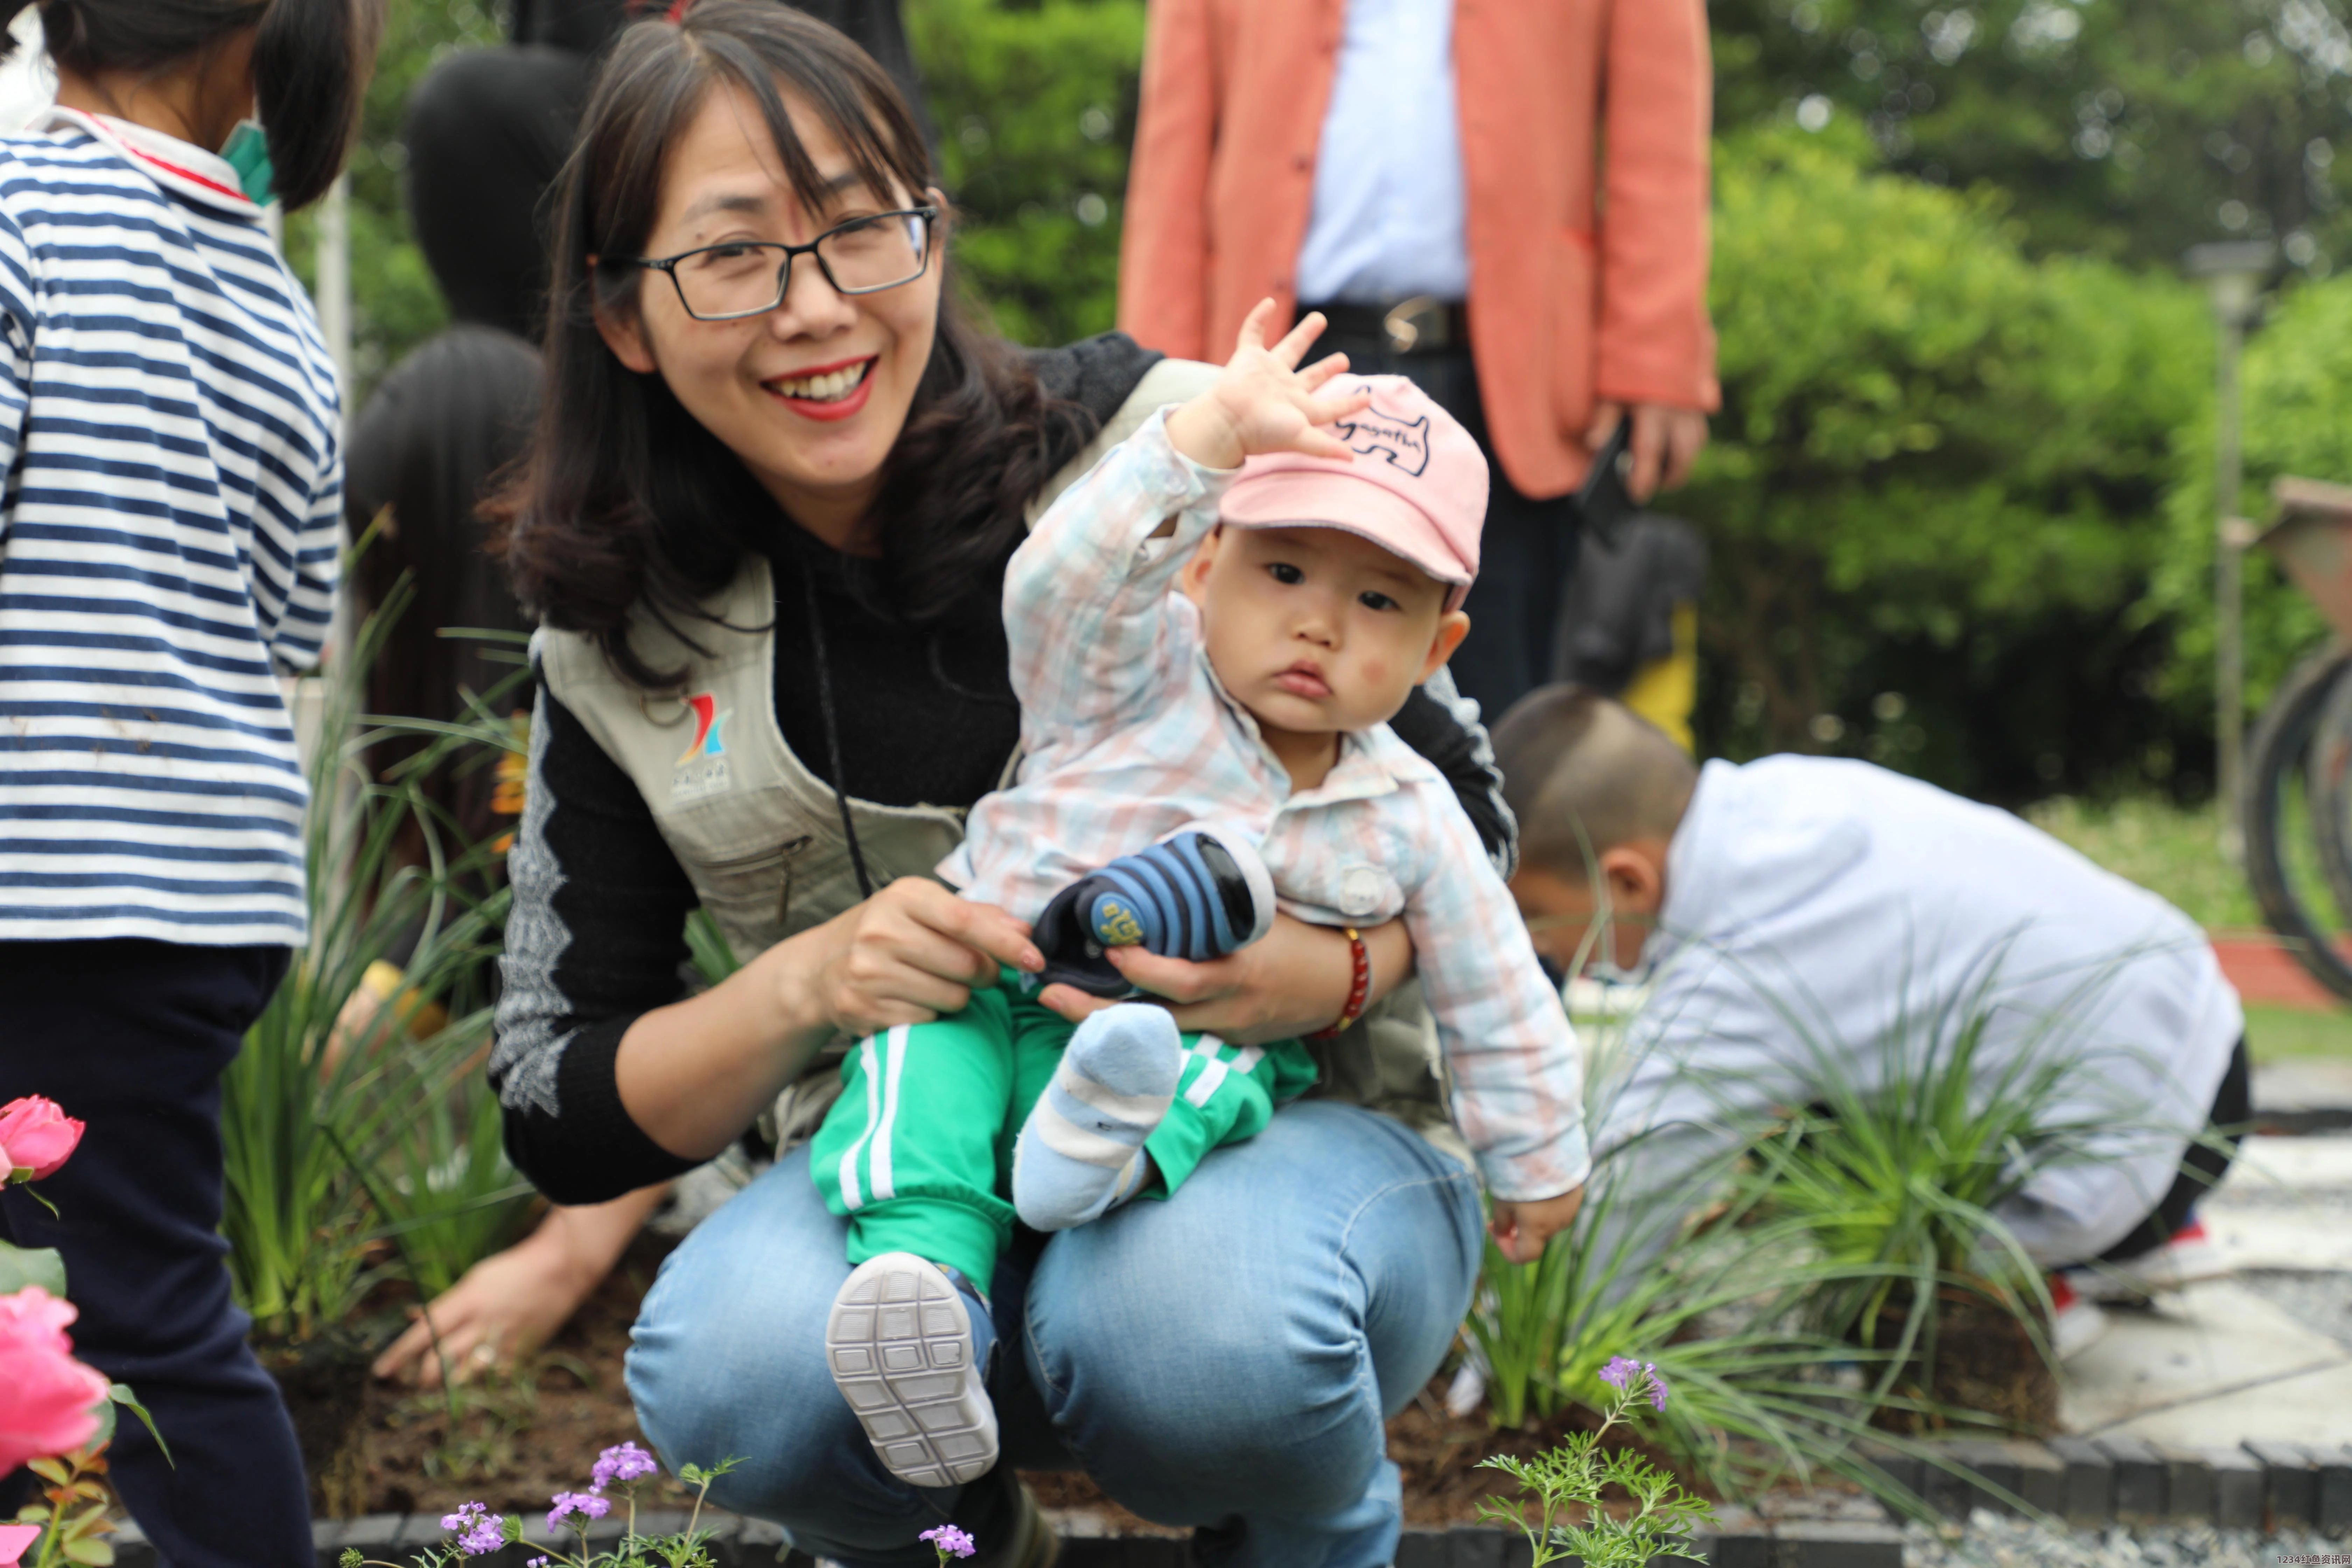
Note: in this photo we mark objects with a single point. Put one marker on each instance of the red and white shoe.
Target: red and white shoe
(2189, 1256)
(2075, 1324)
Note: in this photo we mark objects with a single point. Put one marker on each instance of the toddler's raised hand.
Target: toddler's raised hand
(1265, 403)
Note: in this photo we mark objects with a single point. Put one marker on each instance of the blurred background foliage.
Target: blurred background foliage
(1959, 493)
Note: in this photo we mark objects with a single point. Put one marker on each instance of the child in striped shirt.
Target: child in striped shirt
(170, 428)
(1241, 721)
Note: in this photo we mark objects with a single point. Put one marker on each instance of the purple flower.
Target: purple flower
(535, 1563)
(1620, 1371)
(1657, 1385)
(626, 1462)
(587, 1505)
(948, 1540)
(479, 1531)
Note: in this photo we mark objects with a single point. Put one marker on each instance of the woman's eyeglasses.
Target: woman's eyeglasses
(749, 277)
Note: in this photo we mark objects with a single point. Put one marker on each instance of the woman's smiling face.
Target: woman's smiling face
(811, 395)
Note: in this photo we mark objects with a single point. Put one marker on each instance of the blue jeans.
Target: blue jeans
(1225, 1359)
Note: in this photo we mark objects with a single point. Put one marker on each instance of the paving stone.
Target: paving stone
(2332, 1504)
(2140, 1479)
(2202, 1365)
(2090, 1490)
(1424, 1548)
(2041, 1478)
(373, 1533)
(1835, 1543)
(1740, 1540)
(2238, 1488)
(2189, 1483)
(2028, 1472)
(1472, 1546)
(1908, 1472)
(2290, 1483)
(419, 1530)
(658, 1521)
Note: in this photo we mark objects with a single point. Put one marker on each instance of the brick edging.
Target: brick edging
(1741, 1542)
(2258, 1485)
(2085, 1481)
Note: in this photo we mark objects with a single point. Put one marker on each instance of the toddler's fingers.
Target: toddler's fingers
(1300, 338)
(1323, 370)
(1252, 333)
(1321, 443)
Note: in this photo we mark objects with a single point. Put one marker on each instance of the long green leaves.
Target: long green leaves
(1767, 1262)
(333, 1100)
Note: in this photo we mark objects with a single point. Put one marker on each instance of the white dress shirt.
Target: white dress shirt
(1387, 223)
(1816, 908)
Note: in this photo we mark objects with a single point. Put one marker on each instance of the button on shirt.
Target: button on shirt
(1387, 223)
(1126, 734)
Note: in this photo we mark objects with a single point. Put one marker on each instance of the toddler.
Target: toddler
(1241, 723)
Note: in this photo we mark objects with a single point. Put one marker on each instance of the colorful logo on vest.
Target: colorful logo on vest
(708, 718)
(702, 769)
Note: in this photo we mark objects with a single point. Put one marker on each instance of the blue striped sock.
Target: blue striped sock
(1081, 1151)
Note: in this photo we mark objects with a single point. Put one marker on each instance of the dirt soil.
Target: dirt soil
(517, 1443)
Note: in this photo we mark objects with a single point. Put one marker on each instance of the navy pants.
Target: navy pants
(131, 1038)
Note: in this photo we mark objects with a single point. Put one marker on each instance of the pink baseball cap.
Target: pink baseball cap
(1417, 487)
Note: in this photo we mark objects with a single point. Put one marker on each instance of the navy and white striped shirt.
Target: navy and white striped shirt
(171, 427)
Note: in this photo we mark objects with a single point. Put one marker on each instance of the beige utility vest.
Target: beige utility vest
(760, 836)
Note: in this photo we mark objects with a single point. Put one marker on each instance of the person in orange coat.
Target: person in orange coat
(1432, 175)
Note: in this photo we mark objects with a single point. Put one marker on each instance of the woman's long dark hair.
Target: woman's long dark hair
(312, 60)
(424, 450)
(625, 497)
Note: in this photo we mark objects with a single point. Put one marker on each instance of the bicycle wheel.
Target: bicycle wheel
(2327, 784)
(2294, 793)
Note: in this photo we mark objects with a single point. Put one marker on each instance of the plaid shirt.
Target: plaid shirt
(1126, 735)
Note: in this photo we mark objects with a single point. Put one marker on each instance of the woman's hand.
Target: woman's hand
(910, 953)
(1292, 981)
(1522, 1228)
(1265, 403)
(509, 1304)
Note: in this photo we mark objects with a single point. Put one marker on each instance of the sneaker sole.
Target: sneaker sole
(898, 1342)
(2132, 1286)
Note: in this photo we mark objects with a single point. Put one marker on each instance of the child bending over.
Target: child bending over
(1221, 696)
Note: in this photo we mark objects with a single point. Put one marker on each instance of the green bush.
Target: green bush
(2297, 401)
(1935, 451)
(1036, 107)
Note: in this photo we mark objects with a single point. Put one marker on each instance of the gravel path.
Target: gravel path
(1993, 1541)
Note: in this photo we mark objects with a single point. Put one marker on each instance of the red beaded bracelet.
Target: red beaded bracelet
(1358, 988)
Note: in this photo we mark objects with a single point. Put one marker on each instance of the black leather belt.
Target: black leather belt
(1422, 324)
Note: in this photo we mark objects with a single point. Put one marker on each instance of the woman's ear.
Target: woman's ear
(625, 334)
(1452, 627)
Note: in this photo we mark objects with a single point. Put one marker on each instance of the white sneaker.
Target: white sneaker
(899, 1342)
(2189, 1258)
(2075, 1324)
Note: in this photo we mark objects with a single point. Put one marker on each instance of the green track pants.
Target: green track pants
(918, 1153)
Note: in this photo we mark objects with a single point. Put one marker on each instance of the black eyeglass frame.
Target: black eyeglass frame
(669, 264)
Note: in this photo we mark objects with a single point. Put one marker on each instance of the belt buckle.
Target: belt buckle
(1408, 321)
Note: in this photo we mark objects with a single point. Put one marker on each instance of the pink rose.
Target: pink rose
(36, 1134)
(14, 1539)
(48, 1400)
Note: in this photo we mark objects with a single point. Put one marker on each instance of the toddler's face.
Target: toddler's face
(1315, 630)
